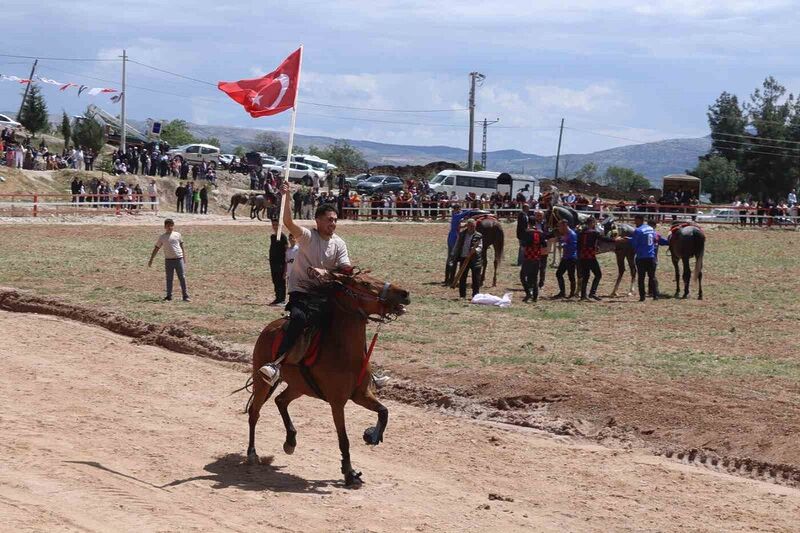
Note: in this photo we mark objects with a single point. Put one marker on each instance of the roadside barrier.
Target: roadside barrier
(35, 205)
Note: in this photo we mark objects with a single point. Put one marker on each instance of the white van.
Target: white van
(464, 182)
(317, 163)
(197, 153)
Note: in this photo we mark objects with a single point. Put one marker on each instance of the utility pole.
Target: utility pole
(122, 101)
(474, 77)
(558, 153)
(27, 88)
(486, 124)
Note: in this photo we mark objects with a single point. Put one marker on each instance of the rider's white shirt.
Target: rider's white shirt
(314, 251)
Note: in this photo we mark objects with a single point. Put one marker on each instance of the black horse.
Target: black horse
(687, 241)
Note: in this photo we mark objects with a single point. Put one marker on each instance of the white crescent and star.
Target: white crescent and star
(255, 99)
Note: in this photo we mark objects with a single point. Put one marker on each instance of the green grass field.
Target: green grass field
(747, 325)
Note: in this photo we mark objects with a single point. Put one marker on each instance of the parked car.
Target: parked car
(197, 153)
(298, 172)
(7, 122)
(353, 181)
(379, 184)
(719, 214)
(226, 160)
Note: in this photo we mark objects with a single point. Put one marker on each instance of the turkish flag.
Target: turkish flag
(271, 94)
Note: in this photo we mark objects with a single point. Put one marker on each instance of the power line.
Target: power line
(754, 137)
(756, 145)
(386, 121)
(320, 104)
(57, 58)
(679, 147)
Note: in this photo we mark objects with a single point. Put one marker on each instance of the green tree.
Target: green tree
(88, 133)
(176, 133)
(625, 179)
(587, 172)
(727, 122)
(213, 141)
(66, 129)
(240, 151)
(270, 143)
(344, 155)
(34, 111)
(720, 177)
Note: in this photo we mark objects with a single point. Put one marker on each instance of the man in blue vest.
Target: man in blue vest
(455, 225)
(569, 258)
(644, 245)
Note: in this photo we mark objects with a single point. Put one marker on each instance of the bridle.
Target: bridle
(367, 296)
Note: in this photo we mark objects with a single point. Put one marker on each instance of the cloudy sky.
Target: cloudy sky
(618, 71)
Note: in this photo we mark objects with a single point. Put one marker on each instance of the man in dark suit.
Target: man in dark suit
(469, 247)
(523, 220)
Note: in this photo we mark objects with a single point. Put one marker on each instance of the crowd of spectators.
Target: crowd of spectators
(153, 159)
(29, 156)
(755, 213)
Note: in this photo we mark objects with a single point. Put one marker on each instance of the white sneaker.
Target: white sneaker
(380, 381)
(271, 373)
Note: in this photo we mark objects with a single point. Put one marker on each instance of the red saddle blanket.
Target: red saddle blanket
(682, 225)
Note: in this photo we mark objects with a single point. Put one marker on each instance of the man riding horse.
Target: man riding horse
(320, 251)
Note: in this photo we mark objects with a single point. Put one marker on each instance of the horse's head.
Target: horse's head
(369, 295)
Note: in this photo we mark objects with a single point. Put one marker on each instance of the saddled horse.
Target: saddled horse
(493, 236)
(622, 249)
(259, 204)
(340, 366)
(686, 241)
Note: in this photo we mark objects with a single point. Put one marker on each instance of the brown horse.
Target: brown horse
(338, 373)
(238, 199)
(493, 236)
(686, 241)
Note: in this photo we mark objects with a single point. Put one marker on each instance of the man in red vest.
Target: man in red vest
(533, 242)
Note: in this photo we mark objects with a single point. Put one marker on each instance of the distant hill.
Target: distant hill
(654, 160)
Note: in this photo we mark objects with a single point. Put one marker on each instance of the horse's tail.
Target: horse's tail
(248, 386)
(701, 250)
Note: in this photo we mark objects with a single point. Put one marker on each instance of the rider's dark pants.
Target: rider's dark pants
(585, 266)
(299, 317)
(529, 276)
(568, 266)
(647, 266)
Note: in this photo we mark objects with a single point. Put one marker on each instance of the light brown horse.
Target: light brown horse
(493, 236)
(353, 300)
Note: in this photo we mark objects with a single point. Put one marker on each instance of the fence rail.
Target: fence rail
(36, 205)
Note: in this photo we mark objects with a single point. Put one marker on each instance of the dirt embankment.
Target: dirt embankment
(552, 413)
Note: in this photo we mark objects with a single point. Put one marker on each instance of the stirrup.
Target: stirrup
(380, 381)
(270, 373)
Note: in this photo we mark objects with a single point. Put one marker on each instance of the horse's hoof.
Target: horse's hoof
(353, 480)
(288, 448)
(685, 296)
(252, 458)
(372, 437)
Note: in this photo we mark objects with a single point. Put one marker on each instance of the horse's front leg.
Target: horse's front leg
(351, 477)
(283, 400)
(367, 400)
(620, 273)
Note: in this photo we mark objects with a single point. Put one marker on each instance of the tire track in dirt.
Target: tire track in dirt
(524, 410)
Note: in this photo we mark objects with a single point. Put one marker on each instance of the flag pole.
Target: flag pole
(289, 147)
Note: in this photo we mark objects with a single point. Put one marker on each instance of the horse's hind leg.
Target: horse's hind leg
(699, 269)
(367, 400)
(687, 275)
(282, 401)
(677, 275)
(261, 393)
(351, 477)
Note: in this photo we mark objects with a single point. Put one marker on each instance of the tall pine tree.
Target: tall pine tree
(34, 111)
(66, 129)
(727, 122)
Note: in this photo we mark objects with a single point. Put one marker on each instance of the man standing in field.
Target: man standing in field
(569, 258)
(523, 219)
(643, 241)
(467, 253)
(174, 258)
